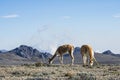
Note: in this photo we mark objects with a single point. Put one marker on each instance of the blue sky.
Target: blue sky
(46, 24)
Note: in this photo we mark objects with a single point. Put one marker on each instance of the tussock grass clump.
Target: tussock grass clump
(38, 74)
(86, 76)
(114, 68)
(41, 74)
(20, 73)
(54, 65)
(27, 65)
(37, 79)
(38, 64)
(52, 72)
(69, 74)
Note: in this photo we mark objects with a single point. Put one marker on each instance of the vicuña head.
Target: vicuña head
(87, 51)
(62, 50)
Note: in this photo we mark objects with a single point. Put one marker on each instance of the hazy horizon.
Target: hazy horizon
(47, 24)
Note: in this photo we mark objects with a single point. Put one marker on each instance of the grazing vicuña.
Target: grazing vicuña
(86, 52)
(62, 50)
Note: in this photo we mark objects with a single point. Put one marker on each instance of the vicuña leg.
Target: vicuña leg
(72, 57)
(61, 59)
(84, 60)
(51, 59)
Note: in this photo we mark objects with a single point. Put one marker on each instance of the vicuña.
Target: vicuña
(87, 52)
(61, 50)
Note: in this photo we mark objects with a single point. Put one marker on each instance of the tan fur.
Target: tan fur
(62, 50)
(86, 52)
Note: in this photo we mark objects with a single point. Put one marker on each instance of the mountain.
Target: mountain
(28, 52)
(23, 54)
(109, 52)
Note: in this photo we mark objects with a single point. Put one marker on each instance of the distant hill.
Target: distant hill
(109, 52)
(23, 54)
(26, 54)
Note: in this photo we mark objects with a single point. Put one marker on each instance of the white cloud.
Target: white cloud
(10, 16)
(66, 17)
(117, 16)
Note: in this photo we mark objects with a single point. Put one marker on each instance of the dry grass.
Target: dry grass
(39, 71)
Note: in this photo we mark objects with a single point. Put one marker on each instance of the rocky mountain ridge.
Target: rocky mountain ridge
(23, 54)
